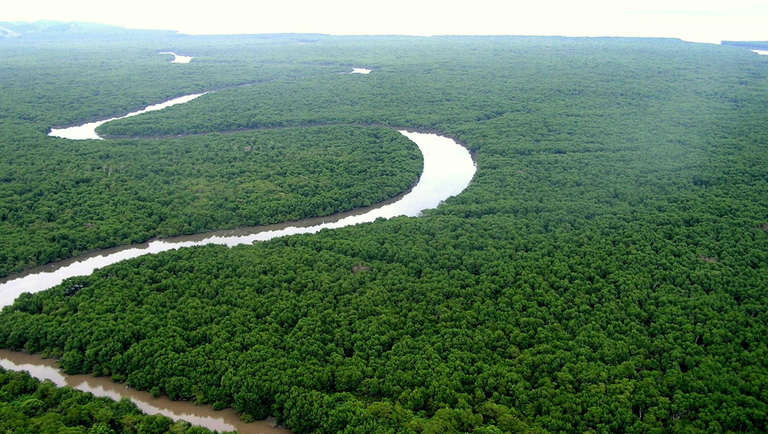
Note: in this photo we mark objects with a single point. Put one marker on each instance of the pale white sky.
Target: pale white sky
(693, 20)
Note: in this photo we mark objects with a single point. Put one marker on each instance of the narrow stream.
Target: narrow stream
(88, 131)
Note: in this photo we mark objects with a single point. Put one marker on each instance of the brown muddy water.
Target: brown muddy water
(204, 415)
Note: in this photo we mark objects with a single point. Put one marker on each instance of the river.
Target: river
(88, 130)
(202, 415)
(177, 58)
(448, 170)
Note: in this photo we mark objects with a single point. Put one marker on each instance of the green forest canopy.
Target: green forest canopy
(606, 271)
(64, 197)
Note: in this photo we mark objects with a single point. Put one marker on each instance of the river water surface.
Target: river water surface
(88, 131)
(204, 415)
(448, 170)
(177, 58)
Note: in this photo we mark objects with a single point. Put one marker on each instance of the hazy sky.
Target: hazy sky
(693, 20)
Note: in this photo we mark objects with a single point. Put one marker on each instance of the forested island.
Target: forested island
(606, 271)
(68, 197)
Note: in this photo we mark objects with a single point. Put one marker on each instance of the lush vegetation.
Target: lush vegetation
(606, 271)
(28, 406)
(61, 197)
(59, 82)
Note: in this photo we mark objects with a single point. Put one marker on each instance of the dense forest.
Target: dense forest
(28, 406)
(606, 271)
(63, 197)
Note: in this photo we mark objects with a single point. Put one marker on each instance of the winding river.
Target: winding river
(448, 170)
(88, 130)
(202, 415)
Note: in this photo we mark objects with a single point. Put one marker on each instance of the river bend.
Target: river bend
(448, 170)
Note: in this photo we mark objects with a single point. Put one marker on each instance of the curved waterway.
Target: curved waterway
(448, 170)
(88, 131)
(203, 415)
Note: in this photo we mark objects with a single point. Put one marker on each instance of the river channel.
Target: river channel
(177, 58)
(448, 170)
(202, 415)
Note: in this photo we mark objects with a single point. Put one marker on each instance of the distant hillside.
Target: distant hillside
(7, 33)
(752, 45)
(58, 29)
